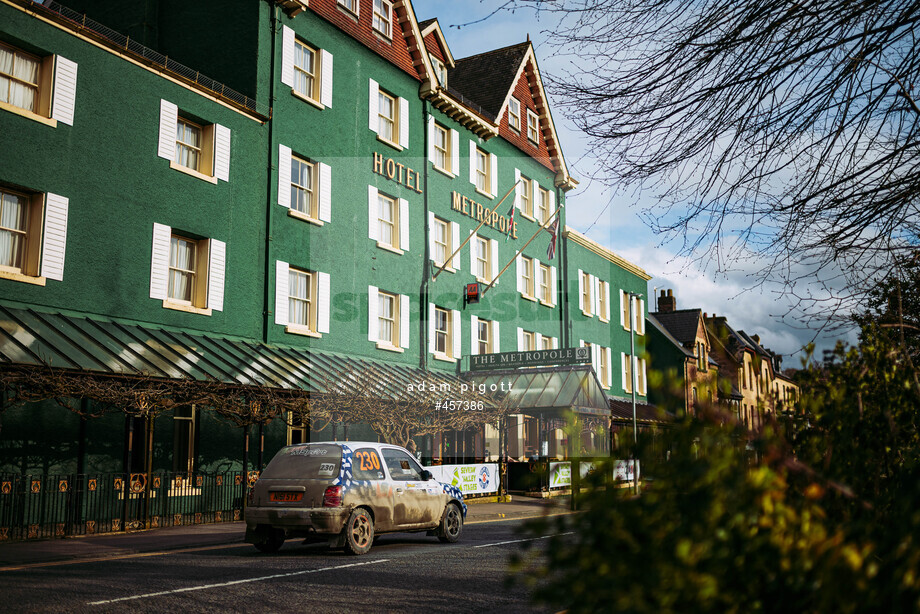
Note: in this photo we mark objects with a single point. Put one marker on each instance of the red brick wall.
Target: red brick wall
(522, 91)
(434, 46)
(396, 51)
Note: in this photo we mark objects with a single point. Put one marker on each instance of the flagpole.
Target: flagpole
(467, 240)
(543, 227)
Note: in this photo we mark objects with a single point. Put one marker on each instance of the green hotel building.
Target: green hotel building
(320, 201)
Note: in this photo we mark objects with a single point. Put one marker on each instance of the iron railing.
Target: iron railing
(40, 506)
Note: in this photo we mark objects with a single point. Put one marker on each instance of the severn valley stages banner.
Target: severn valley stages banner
(560, 474)
(470, 479)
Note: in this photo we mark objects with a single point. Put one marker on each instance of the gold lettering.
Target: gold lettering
(391, 168)
(400, 167)
(466, 206)
(418, 184)
(410, 177)
(514, 231)
(502, 223)
(494, 222)
(456, 202)
(378, 163)
(478, 212)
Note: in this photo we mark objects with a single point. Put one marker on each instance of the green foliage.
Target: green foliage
(818, 515)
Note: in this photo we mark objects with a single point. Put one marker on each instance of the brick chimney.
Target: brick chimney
(666, 302)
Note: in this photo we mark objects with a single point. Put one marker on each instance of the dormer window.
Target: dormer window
(383, 17)
(440, 70)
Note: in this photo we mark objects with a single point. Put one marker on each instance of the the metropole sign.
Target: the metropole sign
(533, 358)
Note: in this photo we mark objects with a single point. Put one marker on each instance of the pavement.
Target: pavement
(20, 554)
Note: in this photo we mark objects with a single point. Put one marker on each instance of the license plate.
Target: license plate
(285, 496)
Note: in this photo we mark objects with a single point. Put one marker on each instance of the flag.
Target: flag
(551, 229)
(510, 222)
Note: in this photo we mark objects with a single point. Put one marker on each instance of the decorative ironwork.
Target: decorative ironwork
(91, 484)
(197, 517)
(90, 527)
(237, 479)
(118, 484)
(6, 488)
(199, 480)
(59, 530)
(218, 516)
(36, 486)
(253, 477)
(63, 486)
(135, 525)
(177, 520)
(236, 514)
(157, 481)
(33, 531)
(138, 482)
(220, 480)
(155, 522)
(177, 482)
(4, 534)
(116, 524)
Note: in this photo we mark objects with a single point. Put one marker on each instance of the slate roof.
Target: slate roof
(651, 319)
(424, 24)
(682, 324)
(486, 78)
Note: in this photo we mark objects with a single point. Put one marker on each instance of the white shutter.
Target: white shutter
(454, 152)
(325, 299)
(372, 230)
(403, 321)
(431, 329)
(609, 374)
(520, 339)
(455, 332)
(623, 370)
(455, 243)
(596, 295)
(493, 174)
(373, 109)
(552, 294)
(606, 314)
(404, 122)
(431, 244)
(222, 152)
(474, 335)
(474, 245)
(519, 264)
(536, 277)
(472, 162)
(284, 176)
(644, 377)
(431, 135)
(326, 69)
(54, 236)
(493, 245)
(641, 323)
(635, 373)
(622, 315)
(534, 195)
(159, 262)
(517, 190)
(552, 202)
(373, 332)
(325, 192)
(404, 224)
(555, 343)
(538, 341)
(217, 267)
(169, 117)
(282, 292)
(496, 336)
(287, 56)
(65, 90)
(581, 288)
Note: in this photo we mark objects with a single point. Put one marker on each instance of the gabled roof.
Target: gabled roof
(683, 324)
(430, 26)
(651, 319)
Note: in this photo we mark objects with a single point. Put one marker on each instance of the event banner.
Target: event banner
(470, 479)
(560, 474)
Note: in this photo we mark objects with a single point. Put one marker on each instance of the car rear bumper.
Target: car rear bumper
(323, 520)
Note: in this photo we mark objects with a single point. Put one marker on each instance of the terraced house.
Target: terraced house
(200, 250)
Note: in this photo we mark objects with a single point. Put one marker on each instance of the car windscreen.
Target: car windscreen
(305, 461)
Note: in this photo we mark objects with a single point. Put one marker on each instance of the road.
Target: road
(403, 572)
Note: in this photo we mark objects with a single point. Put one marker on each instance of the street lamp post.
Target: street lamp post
(633, 366)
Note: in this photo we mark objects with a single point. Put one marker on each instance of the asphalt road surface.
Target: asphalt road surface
(404, 572)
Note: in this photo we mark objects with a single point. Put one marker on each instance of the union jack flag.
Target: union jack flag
(552, 229)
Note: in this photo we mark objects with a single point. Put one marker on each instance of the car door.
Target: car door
(418, 502)
(371, 487)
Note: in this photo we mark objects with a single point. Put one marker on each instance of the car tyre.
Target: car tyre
(273, 543)
(359, 532)
(451, 524)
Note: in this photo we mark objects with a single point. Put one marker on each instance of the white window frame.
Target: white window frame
(527, 268)
(54, 91)
(533, 128)
(543, 210)
(43, 237)
(399, 223)
(450, 155)
(514, 114)
(399, 340)
(321, 293)
(321, 210)
(382, 18)
(440, 70)
(352, 6)
(492, 341)
(210, 268)
(400, 138)
(321, 94)
(214, 159)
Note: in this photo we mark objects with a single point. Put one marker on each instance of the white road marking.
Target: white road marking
(517, 541)
(207, 586)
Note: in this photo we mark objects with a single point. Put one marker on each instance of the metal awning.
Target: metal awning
(91, 344)
(621, 409)
(545, 389)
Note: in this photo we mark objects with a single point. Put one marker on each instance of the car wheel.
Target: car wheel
(451, 525)
(273, 543)
(359, 532)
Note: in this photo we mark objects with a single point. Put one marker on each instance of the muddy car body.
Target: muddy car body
(349, 492)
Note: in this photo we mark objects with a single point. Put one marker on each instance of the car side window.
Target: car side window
(366, 465)
(403, 467)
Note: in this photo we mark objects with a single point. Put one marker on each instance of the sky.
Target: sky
(613, 219)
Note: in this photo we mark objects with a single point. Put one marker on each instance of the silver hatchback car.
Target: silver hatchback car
(349, 492)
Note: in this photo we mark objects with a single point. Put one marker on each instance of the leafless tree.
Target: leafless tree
(783, 131)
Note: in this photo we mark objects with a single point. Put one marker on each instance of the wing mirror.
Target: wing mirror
(426, 475)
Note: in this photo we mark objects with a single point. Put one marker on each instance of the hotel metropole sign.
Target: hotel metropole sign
(405, 176)
(533, 358)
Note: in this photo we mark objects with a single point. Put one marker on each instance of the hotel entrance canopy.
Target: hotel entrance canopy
(541, 390)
